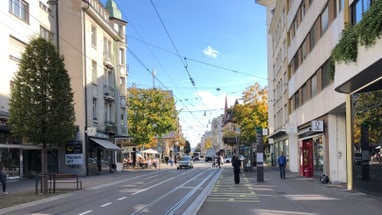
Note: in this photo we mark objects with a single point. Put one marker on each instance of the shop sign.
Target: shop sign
(317, 126)
(73, 153)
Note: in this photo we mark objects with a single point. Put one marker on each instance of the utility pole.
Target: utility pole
(260, 154)
(154, 73)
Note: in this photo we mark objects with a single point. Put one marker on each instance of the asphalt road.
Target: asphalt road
(169, 191)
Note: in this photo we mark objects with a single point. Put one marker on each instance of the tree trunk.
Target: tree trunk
(44, 170)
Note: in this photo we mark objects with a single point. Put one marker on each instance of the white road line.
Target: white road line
(86, 212)
(122, 198)
(105, 205)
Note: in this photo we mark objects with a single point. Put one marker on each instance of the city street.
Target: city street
(165, 191)
(202, 190)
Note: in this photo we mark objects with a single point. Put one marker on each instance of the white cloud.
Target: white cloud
(209, 51)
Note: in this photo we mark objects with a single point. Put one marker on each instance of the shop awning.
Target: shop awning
(106, 144)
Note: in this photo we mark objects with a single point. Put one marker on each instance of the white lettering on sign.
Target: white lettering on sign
(317, 125)
(73, 159)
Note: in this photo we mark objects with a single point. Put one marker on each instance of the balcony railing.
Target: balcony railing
(108, 92)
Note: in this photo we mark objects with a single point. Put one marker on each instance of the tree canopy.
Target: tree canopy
(252, 113)
(151, 113)
(41, 104)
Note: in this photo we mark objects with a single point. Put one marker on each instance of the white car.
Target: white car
(185, 162)
(228, 159)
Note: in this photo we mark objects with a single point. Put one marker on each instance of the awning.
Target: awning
(106, 144)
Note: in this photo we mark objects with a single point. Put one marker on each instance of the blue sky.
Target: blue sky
(219, 44)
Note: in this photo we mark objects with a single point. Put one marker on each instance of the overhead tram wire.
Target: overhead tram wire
(160, 82)
(184, 63)
(199, 61)
(151, 52)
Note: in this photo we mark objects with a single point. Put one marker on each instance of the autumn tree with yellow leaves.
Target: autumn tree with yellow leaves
(252, 112)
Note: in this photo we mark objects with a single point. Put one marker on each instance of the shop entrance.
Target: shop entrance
(306, 158)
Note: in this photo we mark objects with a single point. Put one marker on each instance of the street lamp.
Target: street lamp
(55, 3)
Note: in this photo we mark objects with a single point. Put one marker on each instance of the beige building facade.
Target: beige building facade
(91, 38)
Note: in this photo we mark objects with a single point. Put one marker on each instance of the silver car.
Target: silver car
(185, 162)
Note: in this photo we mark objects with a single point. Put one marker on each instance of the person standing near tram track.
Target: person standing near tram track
(236, 163)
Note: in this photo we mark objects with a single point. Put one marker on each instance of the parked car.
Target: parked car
(185, 162)
(227, 159)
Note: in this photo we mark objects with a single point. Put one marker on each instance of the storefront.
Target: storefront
(102, 156)
(311, 149)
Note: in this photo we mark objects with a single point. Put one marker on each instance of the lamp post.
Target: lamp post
(55, 3)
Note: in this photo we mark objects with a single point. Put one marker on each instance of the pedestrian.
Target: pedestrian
(219, 161)
(3, 177)
(236, 163)
(281, 161)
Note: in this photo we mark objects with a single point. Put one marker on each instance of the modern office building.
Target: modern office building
(324, 112)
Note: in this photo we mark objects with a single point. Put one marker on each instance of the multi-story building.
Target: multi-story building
(278, 116)
(321, 109)
(91, 38)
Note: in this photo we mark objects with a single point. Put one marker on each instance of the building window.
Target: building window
(94, 72)
(107, 48)
(95, 111)
(325, 76)
(122, 56)
(94, 36)
(358, 8)
(314, 86)
(20, 9)
(46, 34)
(341, 4)
(303, 8)
(108, 112)
(122, 83)
(324, 20)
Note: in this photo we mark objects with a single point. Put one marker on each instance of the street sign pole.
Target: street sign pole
(259, 155)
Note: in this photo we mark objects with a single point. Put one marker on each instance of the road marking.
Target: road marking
(122, 198)
(105, 205)
(225, 191)
(86, 212)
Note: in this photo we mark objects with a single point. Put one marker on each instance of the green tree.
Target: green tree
(151, 113)
(252, 112)
(41, 104)
(187, 147)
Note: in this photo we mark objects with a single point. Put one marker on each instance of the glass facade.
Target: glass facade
(367, 141)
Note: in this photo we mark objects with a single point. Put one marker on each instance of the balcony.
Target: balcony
(108, 93)
(108, 60)
(110, 127)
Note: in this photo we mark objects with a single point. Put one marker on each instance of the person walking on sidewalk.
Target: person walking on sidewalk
(281, 161)
(236, 169)
(3, 177)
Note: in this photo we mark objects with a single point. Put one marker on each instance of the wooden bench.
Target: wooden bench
(55, 179)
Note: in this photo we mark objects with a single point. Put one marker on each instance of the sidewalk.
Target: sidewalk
(28, 185)
(293, 195)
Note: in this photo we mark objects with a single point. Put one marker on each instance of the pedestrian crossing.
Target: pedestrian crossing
(225, 190)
